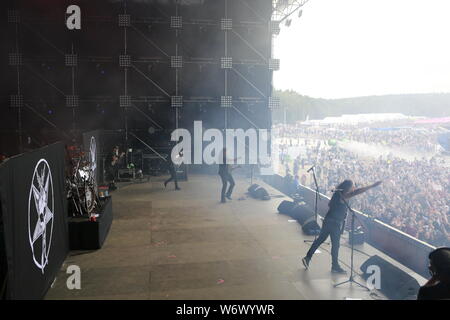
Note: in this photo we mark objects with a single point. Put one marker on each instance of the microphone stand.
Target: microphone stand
(315, 203)
(351, 279)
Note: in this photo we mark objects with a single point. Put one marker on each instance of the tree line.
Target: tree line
(297, 107)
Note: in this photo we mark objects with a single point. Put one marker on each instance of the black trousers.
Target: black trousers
(173, 176)
(330, 228)
(112, 173)
(226, 178)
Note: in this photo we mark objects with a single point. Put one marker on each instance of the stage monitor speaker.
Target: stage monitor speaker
(396, 284)
(261, 194)
(311, 228)
(302, 214)
(358, 237)
(258, 192)
(286, 207)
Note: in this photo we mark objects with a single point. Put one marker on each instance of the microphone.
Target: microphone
(312, 168)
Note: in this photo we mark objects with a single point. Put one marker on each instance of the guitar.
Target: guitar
(117, 158)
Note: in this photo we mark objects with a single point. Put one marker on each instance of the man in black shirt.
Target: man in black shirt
(112, 166)
(226, 177)
(173, 174)
(171, 167)
(334, 222)
(438, 287)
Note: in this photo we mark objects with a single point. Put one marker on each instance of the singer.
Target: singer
(334, 222)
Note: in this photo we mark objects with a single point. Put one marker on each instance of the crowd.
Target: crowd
(412, 139)
(414, 196)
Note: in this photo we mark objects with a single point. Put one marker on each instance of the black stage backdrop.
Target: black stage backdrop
(92, 148)
(34, 209)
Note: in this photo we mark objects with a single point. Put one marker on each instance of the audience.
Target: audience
(414, 196)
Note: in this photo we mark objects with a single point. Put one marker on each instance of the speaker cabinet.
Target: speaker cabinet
(395, 283)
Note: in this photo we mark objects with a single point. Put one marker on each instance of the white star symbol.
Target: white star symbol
(40, 196)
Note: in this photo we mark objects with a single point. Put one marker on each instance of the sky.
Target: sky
(349, 48)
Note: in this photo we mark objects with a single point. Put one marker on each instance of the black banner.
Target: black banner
(92, 149)
(34, 210)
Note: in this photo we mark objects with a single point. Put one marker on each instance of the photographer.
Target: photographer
(438, 287)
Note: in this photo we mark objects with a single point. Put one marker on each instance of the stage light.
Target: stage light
(124, 20)
(176, 22)
(124, 60)
(274, 103)
(176, 101)
(13, 16)
(71, 60)
(226, 24)
(274, 27)
(72, 101)
(226, 62)
(15, 59)
(226, 101)
(16, 101)
(176, 61)
(125, 101)
(274, 64)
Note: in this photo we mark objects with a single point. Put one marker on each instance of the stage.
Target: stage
(166, 244)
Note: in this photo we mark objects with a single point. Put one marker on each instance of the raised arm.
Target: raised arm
(361, 190)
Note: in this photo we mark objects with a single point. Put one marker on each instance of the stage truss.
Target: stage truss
(247, 69)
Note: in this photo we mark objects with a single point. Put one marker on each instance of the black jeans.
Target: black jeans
(226, 178)
(173, 176)
(330, 228)
(112, 172)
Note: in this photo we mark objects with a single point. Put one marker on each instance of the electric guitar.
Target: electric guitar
(117, 158)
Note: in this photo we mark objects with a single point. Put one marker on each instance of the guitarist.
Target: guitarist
(226, 177)
(172, 170)
(113, 166)
(333, 224)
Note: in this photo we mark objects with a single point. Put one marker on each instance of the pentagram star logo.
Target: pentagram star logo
(41, 213)
(93, 154)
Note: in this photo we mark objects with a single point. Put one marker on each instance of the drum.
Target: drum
(83, 174)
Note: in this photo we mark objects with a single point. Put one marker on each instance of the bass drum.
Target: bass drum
(84, 174)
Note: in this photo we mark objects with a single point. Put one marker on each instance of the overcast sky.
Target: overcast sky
(348, 48)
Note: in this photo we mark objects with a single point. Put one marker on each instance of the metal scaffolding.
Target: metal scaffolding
(234, 31)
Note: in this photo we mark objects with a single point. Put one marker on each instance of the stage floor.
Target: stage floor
(166, 244)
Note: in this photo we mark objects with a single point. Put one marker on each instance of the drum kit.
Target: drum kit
(81, 186)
